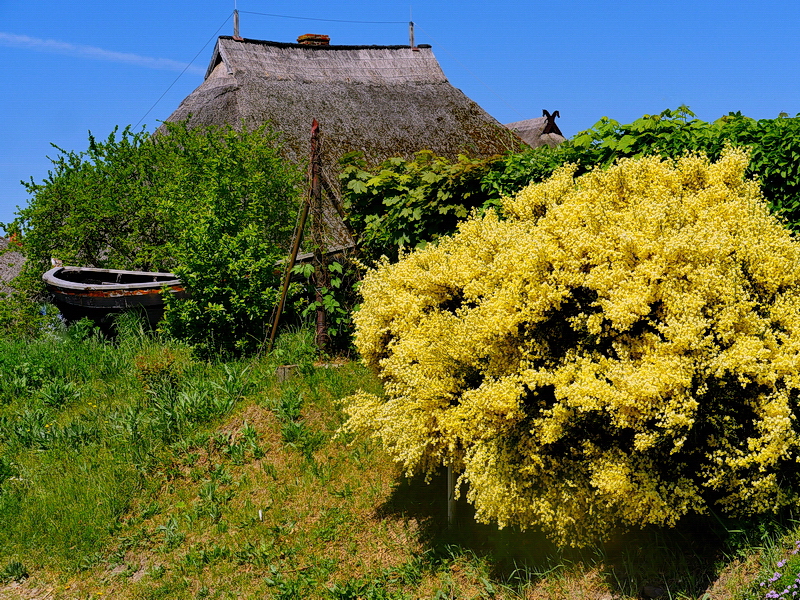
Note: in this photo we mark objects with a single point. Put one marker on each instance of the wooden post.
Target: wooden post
(319, 241)
(451, 498)
(321, 281)
(298, 236)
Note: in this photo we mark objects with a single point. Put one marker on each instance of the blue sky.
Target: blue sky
(72, 67)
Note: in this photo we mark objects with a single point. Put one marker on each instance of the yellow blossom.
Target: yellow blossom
(618, 349)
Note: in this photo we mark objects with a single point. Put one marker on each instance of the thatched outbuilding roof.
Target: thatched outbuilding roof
(541, 131)
(383, 100)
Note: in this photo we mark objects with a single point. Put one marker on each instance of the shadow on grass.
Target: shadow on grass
(679, 562)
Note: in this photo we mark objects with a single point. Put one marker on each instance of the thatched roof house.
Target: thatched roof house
(383, 100)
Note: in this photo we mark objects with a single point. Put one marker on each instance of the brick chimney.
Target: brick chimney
(314, 39)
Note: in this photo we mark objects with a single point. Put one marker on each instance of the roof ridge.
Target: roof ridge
(315, 48)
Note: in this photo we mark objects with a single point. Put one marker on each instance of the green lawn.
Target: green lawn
(131, 469)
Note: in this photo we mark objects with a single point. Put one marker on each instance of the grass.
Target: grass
(132, 470)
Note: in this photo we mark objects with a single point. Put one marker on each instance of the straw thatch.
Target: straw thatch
(382, 100)
(10, 266)
(541, 131)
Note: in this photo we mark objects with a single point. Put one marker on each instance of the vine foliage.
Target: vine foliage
(408, 203)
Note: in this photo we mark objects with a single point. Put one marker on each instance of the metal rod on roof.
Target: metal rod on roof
(236, 24)
(411, 33)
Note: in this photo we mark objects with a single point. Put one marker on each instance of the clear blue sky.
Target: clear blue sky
(72, 67)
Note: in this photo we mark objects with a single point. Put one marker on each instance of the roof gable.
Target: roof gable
(383, 100)
(352, 64)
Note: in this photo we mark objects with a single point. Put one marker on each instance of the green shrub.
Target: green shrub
(405, 203)
(215, 205)
(774, 144)
(21, 317)
(409, 203)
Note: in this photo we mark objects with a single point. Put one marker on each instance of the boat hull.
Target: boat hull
(100, 294)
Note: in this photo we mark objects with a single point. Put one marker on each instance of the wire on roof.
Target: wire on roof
(328, 20)
(184, 70)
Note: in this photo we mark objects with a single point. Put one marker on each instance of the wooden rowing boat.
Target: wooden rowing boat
(99, 294)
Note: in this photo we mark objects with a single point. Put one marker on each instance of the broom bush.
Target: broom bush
(619, 350)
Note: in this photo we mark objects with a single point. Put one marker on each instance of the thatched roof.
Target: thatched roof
(541, 131)
(10, 266)
(383, 100)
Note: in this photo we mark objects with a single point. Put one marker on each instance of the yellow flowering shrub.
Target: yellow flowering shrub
(620, 350)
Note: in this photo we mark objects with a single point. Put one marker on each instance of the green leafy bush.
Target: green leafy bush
(19, 316)
(509, 175)
(410, 203)
(234, 284)
(774, 151)
(215, 205)
(774, 144)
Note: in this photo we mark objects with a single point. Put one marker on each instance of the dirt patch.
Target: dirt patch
(589, 585)
(736, 576)
(24, 591)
